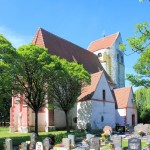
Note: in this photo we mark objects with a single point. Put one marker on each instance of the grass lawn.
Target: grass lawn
(18, 138)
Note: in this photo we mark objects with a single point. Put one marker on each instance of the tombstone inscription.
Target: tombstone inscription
(95, 143)
(134, 144)
(39, 146)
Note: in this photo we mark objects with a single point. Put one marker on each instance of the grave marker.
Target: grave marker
(8, 144)
(134, 144)
(117, 141)
(66, 142)
(88, 136)
(46, 143)
(72, 138)
(95, 143)
(39, 146)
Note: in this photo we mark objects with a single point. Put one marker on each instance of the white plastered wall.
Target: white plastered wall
(100, 107)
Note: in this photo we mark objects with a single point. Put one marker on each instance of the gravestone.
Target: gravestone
(95, 143)
(148, 139)
(88, 136)
(72, 138)
(33, 137)
(134, 144)
(39, 146)
(8, 144)
(66, 142)
(146, 128)
(117, 141)
(138, 127)
(46, 143)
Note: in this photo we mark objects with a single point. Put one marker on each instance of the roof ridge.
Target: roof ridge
(104, 37)
(63, 39)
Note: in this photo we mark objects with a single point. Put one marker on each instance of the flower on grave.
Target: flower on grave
(85, 140)
(111, 145)
(141, 133)
(59, 145)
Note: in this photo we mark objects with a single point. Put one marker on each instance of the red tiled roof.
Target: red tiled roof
(105, 42)
(69, 51)
(88, 91)
(122, 96)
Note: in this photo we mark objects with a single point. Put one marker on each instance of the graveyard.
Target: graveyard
(139, 139)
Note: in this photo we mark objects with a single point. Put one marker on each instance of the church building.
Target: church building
(106, 101)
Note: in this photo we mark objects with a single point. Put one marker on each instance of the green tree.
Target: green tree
(7, 53)
(142, 97)
(140, 44)
(34, 68)
(66, 86)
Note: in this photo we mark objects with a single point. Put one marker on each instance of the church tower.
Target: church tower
(112, 59)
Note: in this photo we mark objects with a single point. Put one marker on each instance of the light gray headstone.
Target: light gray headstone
(88, 136)
(148, 139)
(72, 138)
(117, 141)
(8, 144)
(66, 142)
(46, 143)
(39, 146)
(33, 137)
(95, 143)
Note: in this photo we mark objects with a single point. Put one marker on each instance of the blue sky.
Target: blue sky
(79, 21)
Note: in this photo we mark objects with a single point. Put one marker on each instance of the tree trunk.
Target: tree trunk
(67, 123)
(36, 122)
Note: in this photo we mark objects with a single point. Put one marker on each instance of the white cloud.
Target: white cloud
(16, 39)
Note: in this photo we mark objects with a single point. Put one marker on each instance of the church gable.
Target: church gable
(103, 92)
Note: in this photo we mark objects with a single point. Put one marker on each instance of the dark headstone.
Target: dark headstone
(117, 141)
(134, 144)
(95, 143)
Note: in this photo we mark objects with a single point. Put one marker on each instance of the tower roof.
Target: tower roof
(69, 51)
(103, 43)
(122, 96)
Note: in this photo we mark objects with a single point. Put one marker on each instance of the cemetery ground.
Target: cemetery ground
(22, 137)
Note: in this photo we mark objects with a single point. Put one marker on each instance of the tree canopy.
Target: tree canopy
(66, 86)
(7, 53)
(142, 97)
(140, 43)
